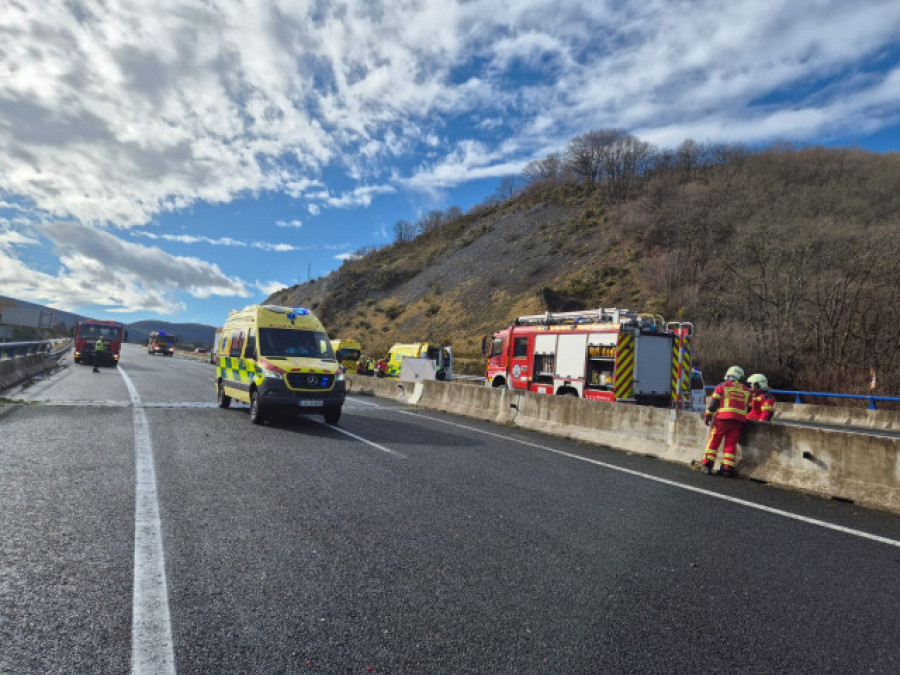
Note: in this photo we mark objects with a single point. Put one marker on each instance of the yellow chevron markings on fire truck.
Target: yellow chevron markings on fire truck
(685, 360)
(624, 375)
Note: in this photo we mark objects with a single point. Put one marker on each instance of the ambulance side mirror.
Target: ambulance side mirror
(484, 342)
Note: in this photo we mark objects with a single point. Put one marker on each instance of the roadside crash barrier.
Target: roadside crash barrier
(17, 369)
(850, 466)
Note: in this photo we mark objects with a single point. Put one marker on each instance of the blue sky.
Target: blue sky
(176, 159)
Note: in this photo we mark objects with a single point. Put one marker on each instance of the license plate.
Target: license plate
(311, 404)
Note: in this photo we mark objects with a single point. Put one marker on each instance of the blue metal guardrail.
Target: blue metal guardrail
(11, 350)
(860, 397)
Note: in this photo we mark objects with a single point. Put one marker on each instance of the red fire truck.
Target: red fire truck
(86, 334)
(161, 342)
(603, 354)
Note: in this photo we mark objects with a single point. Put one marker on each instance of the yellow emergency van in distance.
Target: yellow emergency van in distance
(278, 359)
(348, 353)
(441, 356)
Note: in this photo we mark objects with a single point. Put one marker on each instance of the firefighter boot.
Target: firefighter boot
(706, 467)
(726, 472)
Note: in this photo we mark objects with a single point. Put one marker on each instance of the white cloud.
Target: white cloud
(470, 161)
(269, 287)
(116, 116)
(219, 241)
(360, 196)
(10, 238)
(97, 268)
(278, 248)
(348, 256)
(289, 223)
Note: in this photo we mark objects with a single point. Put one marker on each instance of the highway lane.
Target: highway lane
(420, 543)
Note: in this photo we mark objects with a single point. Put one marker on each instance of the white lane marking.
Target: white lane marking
(366, 403)
(664, 481)
(152, 650)
(361, 439)
(112, 404)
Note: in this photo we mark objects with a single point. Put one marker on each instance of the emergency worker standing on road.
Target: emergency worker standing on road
(762, 401)
(99, 348)
(726, 413)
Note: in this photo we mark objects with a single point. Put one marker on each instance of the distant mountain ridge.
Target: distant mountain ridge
(196, 334)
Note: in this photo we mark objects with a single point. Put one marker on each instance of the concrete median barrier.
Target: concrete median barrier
(853, 466)
(17, 370)
(885, 420)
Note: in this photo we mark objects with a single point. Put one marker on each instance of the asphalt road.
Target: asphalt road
(403, 541)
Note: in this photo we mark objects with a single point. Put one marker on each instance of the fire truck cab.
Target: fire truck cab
(604, 354)
(85, 336)
(161, 342)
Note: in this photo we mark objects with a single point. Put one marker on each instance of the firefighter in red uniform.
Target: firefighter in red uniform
(762, 401)
(726, 414)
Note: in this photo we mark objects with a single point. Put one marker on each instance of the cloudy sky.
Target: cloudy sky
(174, 159)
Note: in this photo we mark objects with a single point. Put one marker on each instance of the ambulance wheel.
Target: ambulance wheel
(332, 414)
(256, 409)
(224, 399)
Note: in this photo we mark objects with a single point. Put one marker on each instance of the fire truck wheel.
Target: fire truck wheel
(256, 413)
(224, 399)
(332, 414)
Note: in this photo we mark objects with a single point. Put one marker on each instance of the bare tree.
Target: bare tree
(610, 157)
(509, 187)
(430, 221)
(548, 169)
(452, 213)
(627, 159)
(588, 154)
(404, 231)
(689, 155)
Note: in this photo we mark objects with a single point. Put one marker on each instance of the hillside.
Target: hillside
(785, 260)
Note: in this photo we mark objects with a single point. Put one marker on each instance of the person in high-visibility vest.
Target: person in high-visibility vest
(726, 414)
(99, 348)
(762, 402)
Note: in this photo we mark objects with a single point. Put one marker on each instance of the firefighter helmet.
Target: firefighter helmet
(758, 381)
(734, 373)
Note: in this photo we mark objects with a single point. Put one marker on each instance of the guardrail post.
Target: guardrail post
(799, 399)
(872, 403)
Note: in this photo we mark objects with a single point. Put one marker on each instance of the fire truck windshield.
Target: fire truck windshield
(93, 331)
(496, 347)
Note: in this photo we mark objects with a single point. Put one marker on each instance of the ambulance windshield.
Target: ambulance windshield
(287, 343)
